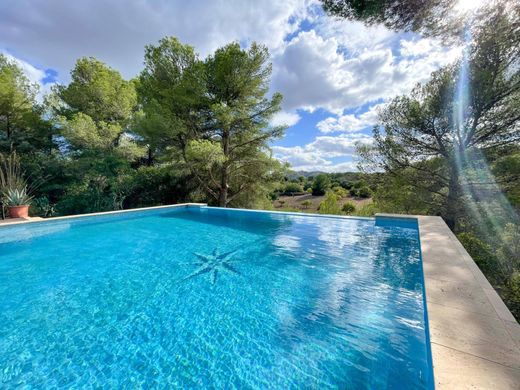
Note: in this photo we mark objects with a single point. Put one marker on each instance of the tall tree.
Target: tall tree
(211, 115)
(438, 131)
(95, 109)
(94, 112)
(171, 93)
(237, 83)
(18, 108)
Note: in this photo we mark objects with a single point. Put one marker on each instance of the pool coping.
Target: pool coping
(19, 221)
(474, 338)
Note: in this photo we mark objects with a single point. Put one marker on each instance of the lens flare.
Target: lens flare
(484, 200)
(468, 5)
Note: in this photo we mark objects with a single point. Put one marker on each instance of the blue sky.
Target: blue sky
(333, 74)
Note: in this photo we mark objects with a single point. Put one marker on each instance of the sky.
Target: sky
(333, 74)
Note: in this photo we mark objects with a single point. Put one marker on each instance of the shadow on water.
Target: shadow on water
(256, 223)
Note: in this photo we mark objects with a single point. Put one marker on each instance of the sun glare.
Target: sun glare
(468, 5)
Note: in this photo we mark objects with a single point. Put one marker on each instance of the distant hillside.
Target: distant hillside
(296, 174)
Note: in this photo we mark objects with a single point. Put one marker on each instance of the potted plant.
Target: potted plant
(14, 190)
(17, 201)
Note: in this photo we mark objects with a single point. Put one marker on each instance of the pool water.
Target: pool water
(199, 297)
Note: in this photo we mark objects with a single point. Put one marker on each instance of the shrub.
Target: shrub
(364, 192)
(330, 204)
(348, 208)
(512, 294)
(320, 185)
(367, 210)
(340, 192)
(306, 204)
(292, 188)
(42, 207)
(509, 251)
(483, 255)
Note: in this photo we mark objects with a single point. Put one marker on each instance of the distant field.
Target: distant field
(295, 202)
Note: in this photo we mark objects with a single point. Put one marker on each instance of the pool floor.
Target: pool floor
(205, 297)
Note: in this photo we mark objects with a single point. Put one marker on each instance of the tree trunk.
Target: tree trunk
(453, 198)
(9, 133)
(149, 157)
(224, 176)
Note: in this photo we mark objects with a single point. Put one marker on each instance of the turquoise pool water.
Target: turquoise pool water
(202, 297)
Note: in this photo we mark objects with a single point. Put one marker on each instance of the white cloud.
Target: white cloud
(319, 154)
(284, 118)
(314, 71)
(352, 122)
(55, 33)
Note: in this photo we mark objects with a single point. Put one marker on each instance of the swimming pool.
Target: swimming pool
(204, 297)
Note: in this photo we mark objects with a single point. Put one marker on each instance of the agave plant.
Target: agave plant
(16, 197)
(14, 190)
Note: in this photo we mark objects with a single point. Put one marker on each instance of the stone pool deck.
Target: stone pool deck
(475, 339)
(10, 221)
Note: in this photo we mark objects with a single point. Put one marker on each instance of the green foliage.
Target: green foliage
(292, 188)
(422, 132)
(11, 175)
(507, 170)
(21, 124)
(367, 210)
(306, 204)
(362, 192)
(509, 251)
(98, 92)
(83, 132)
(340, 192)
(330, 204)
(512, 293)
(14, 190)
(320, 185)
(442, 18)
(16, 197)
(213, 116)
(157, 185)
(483, 255)
(348, 208)
(42, 207)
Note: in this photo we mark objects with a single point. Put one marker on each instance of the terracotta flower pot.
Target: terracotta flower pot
(19, 211)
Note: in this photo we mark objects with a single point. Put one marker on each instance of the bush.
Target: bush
(340, 192)
(509, 251)
(330, 204)
(292, 188)
(367, 210)
(320, 185)
(363, 192)
(306, 204)
(512, 294)
(348, 208)
(483, 255)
